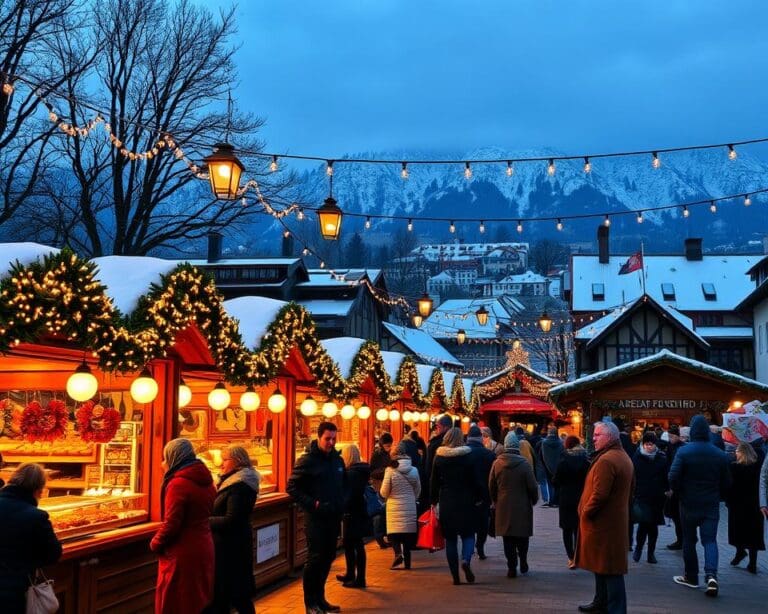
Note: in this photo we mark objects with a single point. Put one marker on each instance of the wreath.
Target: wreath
(96, 422)
(44, 424)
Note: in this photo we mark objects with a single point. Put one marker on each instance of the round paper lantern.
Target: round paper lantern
(363, 412)
(424, 416)
(82, 384)
(407, 416)
(185, 394)
(394, 415)
(348, 412)
(382, 415)
(308, 406)
(144, 388)
(219, 398)
(330, 409)
(465, 419)
(277, 402)
(250, 399)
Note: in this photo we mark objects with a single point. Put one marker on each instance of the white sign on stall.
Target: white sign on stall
(267, 542)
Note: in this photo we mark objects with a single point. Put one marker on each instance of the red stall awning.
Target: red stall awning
(523, 404)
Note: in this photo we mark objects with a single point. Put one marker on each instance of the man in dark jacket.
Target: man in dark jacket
(550, 449)
(380, 460)
(441, 426)
(700, 474)
(482, 459)
(672, 506)
(318, 484)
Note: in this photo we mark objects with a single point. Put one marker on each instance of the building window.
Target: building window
(709, 292)
(628, 353)
(668, 292)
(709, 319)
(729, 359)
(598, 292)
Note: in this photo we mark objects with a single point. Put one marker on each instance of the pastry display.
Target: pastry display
(100, 510)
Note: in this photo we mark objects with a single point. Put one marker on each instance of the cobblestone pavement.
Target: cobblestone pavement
(549, 586)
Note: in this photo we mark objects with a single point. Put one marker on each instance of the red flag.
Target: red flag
(633, 263)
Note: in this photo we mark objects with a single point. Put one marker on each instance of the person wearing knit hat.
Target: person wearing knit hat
(489, 442)
(569, 479)
(651, 486)
(442, 425)
(482, 459)
(514, 492)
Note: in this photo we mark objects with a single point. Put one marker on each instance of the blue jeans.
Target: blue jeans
(705, 520)
(543, 485)
(452, 550)
(610, 593)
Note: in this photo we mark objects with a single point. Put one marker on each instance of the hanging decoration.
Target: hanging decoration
(97, 423)
(47, 423)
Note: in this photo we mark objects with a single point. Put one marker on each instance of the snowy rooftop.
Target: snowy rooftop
(392, 362)
(644, 364)
(463, 251)
(254, 315)
(726, 273)
(342, 277)
(725, 332)
(421, 344)
(425, 377)
(326, 307)
(455, 314)
(448, 379)
(129, 277)
(343, 351)
(25, 253)
(535, 374)
(445, 276)
(529, 277)
(202, 262)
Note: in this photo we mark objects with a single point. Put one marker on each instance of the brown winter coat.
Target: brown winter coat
(603, 541)
(514, 492)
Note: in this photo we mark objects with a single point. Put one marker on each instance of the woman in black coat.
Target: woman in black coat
(454, 485)
(233, 534)
(27, 540)
(745, 520)
(355, 522)
(569, 480)
(651, 485)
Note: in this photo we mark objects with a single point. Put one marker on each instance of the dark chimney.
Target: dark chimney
(602, 244)
(693, 249)
(287, 248)
(214, 246)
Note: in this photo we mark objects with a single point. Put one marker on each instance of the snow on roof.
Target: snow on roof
(554, 288)
(448, 379)
(25, 253)
(343, 351)
(455, 314)
(254, 314)
(339, 277)
(468, 386)
(202, 262)
(421, 344)
(127, 278)
(644, 364)
(444, 276)
(725, 272)
(532, 372)
(425, 377)
(464, 251)
(326, 307)
(725, 332)
(529, 277)
(392, 362)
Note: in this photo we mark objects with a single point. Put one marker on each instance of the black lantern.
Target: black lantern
(330, 219)
(416, 319)
(224, 170)
(461, 336)
(425, 305)
(545, 322)
(482, 315)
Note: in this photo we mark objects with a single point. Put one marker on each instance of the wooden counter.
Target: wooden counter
(273, 513)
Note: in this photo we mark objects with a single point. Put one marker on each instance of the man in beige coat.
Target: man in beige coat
(603, 543)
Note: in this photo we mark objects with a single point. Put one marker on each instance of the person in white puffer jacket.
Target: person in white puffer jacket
(401, 488)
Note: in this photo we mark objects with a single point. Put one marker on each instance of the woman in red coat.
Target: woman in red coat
(184, 543)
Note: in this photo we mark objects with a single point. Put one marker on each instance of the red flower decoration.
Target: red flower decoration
(44, 424)
(96, 422)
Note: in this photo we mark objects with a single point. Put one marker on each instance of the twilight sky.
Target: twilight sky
(350, 76)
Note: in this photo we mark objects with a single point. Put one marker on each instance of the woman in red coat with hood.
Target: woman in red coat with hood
(184, 543)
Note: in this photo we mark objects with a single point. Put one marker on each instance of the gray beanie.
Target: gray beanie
(402, 449)
(511, 442)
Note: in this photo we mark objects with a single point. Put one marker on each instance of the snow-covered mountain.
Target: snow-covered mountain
(615, 185)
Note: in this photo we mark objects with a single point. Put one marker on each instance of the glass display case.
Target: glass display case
(77, 516)
(259, 450)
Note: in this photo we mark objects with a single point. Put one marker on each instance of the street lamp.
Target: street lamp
(545, 322)
(482, 315)
(425, 305)
(224, 170)
(461, 336)
(416, 319)
(330, 215)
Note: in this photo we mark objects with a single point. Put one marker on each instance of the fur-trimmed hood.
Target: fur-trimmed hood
(250, 476)
(459, 451)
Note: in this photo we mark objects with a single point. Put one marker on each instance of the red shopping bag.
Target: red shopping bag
(430, 535)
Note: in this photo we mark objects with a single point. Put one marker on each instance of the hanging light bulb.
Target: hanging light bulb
(394, 415)
(330, 409)
(713, 207)
(587, 165)
(461, 336)
(416, 320)
(510, 170)
(224, 170)
(519, 226)
(482, 226)
(382, 415)
(639, 217)
(185, 393)
(559, 224)
(656, 163)
(273, 164)
(607, 221)
(348, 411)
(407, 416)
(410, 225)
(300, 215)
(452, 227)
(363, 412)
(424, 416)
(329, 167)
(308, 406)
(404, 171)
(516, 344)
(465, 419)
(545, 322)
(732, 155)
(286, 233)
(367, 223)
(482, 315)
(250, 399)
(467, 171)
(219, 398)
(82, 385)
(551, 167)
(322, 264)
(277, 402)
(305, 252)
(144, 388)
(686, 213)
(747, 200)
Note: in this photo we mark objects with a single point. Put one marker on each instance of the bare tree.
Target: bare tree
(406, 273)
(545, 254)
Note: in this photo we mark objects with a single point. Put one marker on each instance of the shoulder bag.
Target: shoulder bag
(41, 598)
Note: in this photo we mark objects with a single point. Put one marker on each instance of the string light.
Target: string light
(732, 155)
(713, 207)
(368, 223)
(305, 252)
(551, 167)
(300, 215)
(607, 221)
(559, 224)
(686, 213)
(286, 234)
(273, 164)
(510, 170)
(747, 200)
(519, 226)
(467, 171)
(639, 217)
(482, 226)
(404, 171)
(656, 163)
(410, 225)
(329, 167)
(452, 227)
(587, 165)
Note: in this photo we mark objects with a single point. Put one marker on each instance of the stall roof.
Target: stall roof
(127, 278)
(531, 372)
(425, 376)
(342, 351)
(392, 362)
(326, 307)
(454, 314)
(422, 344)
(254, 315)
(468, 384)
(25, 253)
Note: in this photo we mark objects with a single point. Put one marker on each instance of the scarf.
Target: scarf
(649, 455)
(248, 475)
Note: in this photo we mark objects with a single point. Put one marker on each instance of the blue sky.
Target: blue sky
(350, 76)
